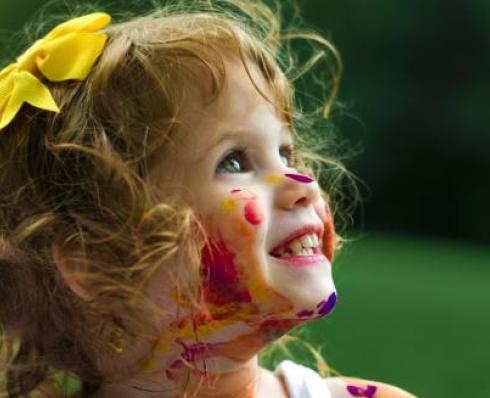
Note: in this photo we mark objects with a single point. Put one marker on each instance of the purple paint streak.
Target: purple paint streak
(300, 178)
(366, 392)
(326, 306)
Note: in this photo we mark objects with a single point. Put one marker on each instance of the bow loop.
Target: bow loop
(70, 56)
(67, 52)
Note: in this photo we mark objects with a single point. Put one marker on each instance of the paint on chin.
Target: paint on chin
(221, 277)
(325, 307)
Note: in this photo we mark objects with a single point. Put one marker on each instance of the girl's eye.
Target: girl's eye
(287, 153)
(235, 162)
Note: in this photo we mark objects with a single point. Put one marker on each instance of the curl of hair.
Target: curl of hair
(78, 180)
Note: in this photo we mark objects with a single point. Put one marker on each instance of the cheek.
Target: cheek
(329, 234)
(221, 277)
(251, 214)
(240, 206)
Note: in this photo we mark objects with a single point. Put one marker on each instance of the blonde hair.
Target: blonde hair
(79, 179)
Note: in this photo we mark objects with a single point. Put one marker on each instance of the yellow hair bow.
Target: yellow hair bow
(67, 52)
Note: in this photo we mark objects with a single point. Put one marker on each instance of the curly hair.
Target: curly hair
(78, 181)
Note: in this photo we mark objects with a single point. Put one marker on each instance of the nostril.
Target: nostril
(302, 202)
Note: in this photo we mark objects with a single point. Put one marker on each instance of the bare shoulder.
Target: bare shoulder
(348, 387)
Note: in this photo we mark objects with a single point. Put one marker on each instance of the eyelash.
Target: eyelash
(286, 150)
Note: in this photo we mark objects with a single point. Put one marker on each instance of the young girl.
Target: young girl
(159, 222)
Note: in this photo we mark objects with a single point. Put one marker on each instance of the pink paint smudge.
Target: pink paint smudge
(221, 277)
(191, 354)
(251, 214)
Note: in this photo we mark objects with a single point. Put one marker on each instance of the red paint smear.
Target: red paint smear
(251, 214)
(191, 354)
(221, 278)
(235, 190)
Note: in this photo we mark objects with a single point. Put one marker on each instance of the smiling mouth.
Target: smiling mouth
(306, 245)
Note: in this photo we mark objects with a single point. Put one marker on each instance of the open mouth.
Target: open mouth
(305, 245)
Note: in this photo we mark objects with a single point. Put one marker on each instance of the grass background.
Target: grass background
(413, 313)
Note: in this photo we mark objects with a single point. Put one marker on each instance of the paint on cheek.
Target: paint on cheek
(328, 236)
(325, 307)
(250, 213)
(221, 276)
(228, 204)
(243, 194)
(300, 178)
(366, 392)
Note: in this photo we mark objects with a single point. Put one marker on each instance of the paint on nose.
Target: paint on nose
(300, 178)
(251, 214)
(325, 307)
(273, 179)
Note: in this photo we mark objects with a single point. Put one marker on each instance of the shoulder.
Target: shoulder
(348, 387)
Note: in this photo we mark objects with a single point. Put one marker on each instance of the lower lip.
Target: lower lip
(301, 260)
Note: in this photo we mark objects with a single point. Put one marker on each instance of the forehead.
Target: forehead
(239, 107)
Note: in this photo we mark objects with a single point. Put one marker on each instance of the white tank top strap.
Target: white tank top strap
(302, 382)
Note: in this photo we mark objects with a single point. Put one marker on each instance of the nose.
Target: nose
(296, 189)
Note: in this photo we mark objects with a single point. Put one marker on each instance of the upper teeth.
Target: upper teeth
(302, 246)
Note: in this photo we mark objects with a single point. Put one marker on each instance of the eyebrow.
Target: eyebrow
(230, 134)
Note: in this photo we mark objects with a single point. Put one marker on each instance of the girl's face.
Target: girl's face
(271, 233)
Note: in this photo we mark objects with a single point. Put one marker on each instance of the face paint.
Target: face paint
(300, 178)
(221, 278)
(228, 204)
(305, 313)
(325, 307)
(329, 235)
(244, 298)
(273, 179)
(366, 392)
(243, 194)
(251, 214)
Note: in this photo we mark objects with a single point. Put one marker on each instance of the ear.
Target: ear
(66, 272)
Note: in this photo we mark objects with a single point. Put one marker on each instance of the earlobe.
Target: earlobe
(68, 273)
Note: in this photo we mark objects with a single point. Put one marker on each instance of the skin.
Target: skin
(246, 204)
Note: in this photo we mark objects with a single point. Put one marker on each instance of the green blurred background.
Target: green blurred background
(414, 303)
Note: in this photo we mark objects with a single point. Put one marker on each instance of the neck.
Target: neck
(243, 381)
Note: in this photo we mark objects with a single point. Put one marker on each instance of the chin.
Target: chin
(308, 286)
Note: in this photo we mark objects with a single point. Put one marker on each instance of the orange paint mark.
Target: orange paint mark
(329, 236)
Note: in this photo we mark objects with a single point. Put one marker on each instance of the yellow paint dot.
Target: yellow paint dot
(151, 366)
(273, 179)
(228, 204)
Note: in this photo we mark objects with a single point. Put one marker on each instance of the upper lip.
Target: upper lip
(304, 230)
